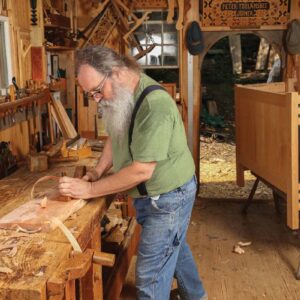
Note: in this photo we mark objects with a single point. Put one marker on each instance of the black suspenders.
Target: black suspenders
(142, 186)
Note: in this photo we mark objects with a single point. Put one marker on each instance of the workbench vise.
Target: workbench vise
(77, 267)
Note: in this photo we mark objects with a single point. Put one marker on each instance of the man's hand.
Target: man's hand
(91, 175)
(75, 188)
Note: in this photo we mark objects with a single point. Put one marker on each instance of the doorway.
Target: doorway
(244, 58)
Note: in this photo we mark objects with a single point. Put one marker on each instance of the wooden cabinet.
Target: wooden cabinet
(267, 139)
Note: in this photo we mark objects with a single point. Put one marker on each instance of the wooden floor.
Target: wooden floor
(266, 269)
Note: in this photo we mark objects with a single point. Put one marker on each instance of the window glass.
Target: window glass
(156, 31)
(170, 38)
(155, 16)
(170, 55)
(154, 58)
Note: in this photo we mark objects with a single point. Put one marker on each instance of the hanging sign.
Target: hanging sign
(244, 14)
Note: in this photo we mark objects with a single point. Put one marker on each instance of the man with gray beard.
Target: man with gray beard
(148, 151)
(117, 112)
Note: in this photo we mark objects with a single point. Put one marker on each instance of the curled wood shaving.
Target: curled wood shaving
(6, 270)
(44, 178)
(67, 233)
(13, 252)
(10, 246)
(237, 249)
(244, 244)
(17, 235)
(44, 202)
(20, 229)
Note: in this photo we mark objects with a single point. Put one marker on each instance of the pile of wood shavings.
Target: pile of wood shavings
(10, 242)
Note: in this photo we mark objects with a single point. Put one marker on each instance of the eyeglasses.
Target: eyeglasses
(97, 93)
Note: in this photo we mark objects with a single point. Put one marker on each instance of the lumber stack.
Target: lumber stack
(62, 119)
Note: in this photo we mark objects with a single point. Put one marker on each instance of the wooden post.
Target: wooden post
(194, 79)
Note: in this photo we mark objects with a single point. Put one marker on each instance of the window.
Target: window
(5, 58)
(157, 30)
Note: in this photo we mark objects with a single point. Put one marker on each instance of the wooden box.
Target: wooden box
(38, 162)
(267, 139)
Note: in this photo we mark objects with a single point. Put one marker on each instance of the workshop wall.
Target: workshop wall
(18, 13)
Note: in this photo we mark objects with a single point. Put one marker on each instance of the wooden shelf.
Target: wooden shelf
(59, 48)
(56, 27)
(41, 98)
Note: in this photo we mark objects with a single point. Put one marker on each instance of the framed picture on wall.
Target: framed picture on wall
(55, 65)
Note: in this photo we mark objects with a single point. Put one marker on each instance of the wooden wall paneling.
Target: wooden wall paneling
(86, 116)
(37, 62)
(92, 112)
(17, 135)
(151, 4)
(70, 77)
(19, 18)
(81, 111)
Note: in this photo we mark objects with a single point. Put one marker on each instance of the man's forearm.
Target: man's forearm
(123, 180)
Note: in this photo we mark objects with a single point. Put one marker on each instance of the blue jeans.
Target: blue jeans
(163, 252)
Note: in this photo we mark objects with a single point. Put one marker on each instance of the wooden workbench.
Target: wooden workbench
(39, 255)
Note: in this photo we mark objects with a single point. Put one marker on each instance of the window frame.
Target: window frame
(7, 52)
(162, 23)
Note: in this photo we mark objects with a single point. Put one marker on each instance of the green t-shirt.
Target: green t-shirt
(158, 135)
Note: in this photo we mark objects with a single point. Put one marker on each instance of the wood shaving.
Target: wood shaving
(74, 229)
(13, 252)
(73, 216)
(20, 229)
(67, 233)
(10, 246)
(16, 235)
(237, 249)
(40, 272)
(44, 202)
(44, 178)
(5, 270)
(244, 244)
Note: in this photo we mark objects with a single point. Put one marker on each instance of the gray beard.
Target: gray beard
(117, 112)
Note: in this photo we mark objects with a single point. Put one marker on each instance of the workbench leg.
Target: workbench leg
(91, 284)
(70, 291)
(250, 198)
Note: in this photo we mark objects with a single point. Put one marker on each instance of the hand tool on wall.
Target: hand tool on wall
(179, 24)
(12, 93)
(170, 16)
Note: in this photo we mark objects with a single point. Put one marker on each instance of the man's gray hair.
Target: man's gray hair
(104, 60)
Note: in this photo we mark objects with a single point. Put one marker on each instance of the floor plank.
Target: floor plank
(265, 271)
